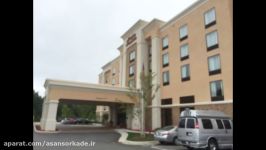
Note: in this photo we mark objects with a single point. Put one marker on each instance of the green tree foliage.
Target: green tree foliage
(76, 110)
(37, 106)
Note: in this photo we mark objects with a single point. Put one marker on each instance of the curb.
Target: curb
(39, 131)
(123, 139)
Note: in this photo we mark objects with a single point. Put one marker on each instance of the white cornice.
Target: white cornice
(188, 10)
(110, 62)
(75, 84)
(120, 48)
(151, 24)
(194, 104)
(137, 25)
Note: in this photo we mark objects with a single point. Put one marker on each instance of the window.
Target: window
(131, 70)
(184, 52)
(191, 123)
(212, 40)
(217, 90)
(209, 18)
(150, 65)
(219, 124)
(165, 43)
(214, 65)
(166, 78)
(183, 34)
(187, 99)
(227, 124)
(113, 71)
(131, 83)
(185, 73)
(132, 56)
(113, 81)
(166, 101)
(165, 60)
(207, 124)
(150, 51)
(182, 123)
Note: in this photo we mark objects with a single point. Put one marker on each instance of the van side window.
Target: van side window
(207, 124)
(191, 123)
(219, 124)
(182, 123)
(227, 124)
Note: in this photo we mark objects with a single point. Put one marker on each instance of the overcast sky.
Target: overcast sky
(73, 39)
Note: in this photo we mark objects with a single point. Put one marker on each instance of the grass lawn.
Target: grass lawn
(137, 137)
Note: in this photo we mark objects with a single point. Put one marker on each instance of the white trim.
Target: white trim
(182, 14)
(50, 82)
(194, 104)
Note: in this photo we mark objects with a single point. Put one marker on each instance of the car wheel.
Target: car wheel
(175, 141)
(212, 145)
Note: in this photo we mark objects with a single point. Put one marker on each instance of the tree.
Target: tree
(144, 95)
(37, 106)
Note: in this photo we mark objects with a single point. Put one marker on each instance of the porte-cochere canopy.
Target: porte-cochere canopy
(57, 90)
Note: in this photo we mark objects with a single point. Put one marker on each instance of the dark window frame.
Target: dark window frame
(168, 82)
(188, 77)
(165, 65)
(134, 57)
(210, 23)
(187, 99)
(184, 57)
(215, 46)
(167, 46)
(217, 98)
(132, 74)
(217, 71)
(184, 37)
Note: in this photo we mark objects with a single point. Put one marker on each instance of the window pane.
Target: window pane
(190, 123)
(227, 124)
(206, 123)
(184, 50)
(217, 88)
(183, 31)
(165, 42)
(132, 55)
(209, 16)
(131, 70)
(165, 59)
(212, 39)
(185, 71)
(219, 124)
(182, 123)
(214, 63)
(165, 77)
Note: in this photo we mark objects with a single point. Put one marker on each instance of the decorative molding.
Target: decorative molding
(182, 14)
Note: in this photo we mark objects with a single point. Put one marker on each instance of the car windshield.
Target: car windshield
(167, 128)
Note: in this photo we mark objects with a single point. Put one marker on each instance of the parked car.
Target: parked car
(68, 121)
(82, 121)
(167, 134)
(205, 129)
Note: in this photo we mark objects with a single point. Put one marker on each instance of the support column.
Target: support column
(48, 121)
(124, 62)
(156, 110)
(135, 122)
(114, 115)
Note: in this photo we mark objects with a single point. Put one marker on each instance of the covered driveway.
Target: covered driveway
(78, 92)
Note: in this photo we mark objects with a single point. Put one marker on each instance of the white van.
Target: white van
(205, 129)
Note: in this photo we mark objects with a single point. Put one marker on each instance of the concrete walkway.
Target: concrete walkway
(124, 134)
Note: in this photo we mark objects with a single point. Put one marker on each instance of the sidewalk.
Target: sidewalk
(123, 138)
